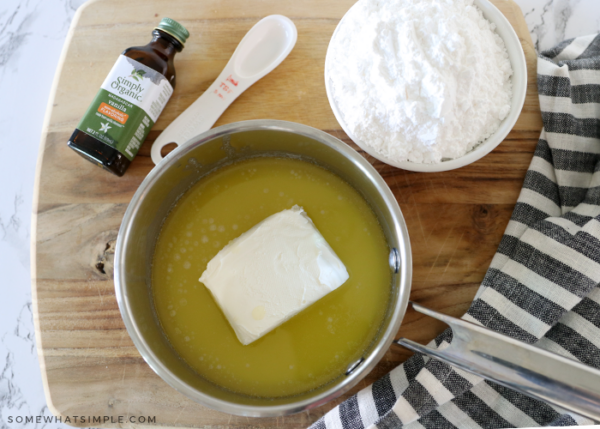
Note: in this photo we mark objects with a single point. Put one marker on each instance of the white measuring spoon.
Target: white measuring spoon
(262, 49)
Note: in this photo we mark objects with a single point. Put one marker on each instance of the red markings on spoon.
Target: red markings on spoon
(230, 79)
(224, 88)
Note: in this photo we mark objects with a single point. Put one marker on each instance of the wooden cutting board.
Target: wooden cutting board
(89, 364)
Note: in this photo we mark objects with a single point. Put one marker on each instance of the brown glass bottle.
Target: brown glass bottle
(168, 39)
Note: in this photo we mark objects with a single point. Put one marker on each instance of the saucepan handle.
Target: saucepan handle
(517, 365)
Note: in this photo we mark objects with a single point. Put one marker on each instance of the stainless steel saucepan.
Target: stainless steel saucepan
(185, 166)
(525, 368)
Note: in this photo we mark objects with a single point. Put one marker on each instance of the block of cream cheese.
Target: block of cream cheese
(272, 272)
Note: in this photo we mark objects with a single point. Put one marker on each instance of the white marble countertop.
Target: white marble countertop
(32, 33)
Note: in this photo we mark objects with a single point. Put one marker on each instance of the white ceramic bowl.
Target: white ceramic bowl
(519, 85)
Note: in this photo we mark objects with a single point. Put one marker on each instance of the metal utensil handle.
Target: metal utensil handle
(517, 365)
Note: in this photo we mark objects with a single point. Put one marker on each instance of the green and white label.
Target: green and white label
(127, 106)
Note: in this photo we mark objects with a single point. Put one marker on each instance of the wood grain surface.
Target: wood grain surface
(89, 364)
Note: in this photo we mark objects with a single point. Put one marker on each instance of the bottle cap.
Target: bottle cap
(173, 28)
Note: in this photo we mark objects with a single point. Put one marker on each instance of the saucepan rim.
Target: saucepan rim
(337, 388)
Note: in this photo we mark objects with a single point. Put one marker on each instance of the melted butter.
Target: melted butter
(315, 346)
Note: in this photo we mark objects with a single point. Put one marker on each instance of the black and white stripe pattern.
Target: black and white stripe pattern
(543, 285)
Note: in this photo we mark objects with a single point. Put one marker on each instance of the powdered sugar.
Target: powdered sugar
(419, 80)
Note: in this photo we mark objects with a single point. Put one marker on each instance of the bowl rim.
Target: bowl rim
(336, 389)
(519, 88)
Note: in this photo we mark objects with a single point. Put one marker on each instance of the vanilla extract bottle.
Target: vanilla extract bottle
(130, 100)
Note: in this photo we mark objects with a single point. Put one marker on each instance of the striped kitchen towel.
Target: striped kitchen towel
(543, 285)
